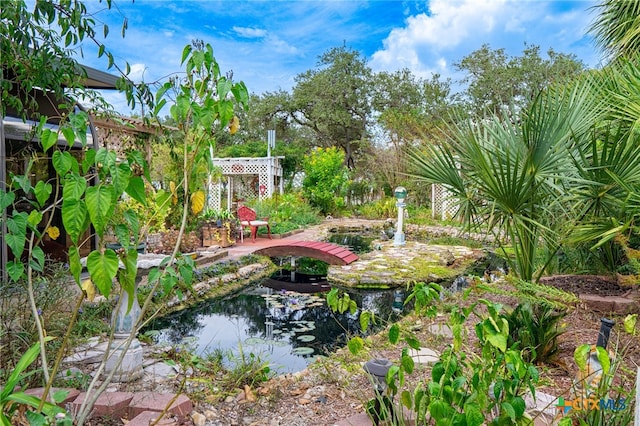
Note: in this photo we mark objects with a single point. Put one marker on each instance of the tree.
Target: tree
(408, 110)
(498, 83)
(333, 101)
(85, 189)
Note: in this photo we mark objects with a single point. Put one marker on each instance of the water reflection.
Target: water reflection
(286, 324)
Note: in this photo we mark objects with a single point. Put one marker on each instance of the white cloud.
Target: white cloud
(137, 72)
(250, 32)
(280, 46)
(452, 29)
(447, 25)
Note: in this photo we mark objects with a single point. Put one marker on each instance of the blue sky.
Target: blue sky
(267, 43)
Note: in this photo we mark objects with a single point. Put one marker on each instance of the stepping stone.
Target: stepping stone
(150, 401)
(440, 330)
(72, 394)
(161, 369)
(424, 356)
(113, 404)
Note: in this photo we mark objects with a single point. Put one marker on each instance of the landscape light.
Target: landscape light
(377, 368)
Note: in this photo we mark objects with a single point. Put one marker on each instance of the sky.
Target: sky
(267, 44)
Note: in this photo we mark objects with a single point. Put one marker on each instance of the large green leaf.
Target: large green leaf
(128, 274)
(106, 159)
(89, 160)
(79, 121)
(224, 86)
(103, 268)
(6, 199)
(473, 415)
(64, 162)
(42, 191)
(135, 189)
(17, 232)
(581, 355)
(74, 263)
(100, 205)
(48, 138)
(37, 259)
(225, 110)
(34, 218)
(394, 333)
(495, 338)
(365, 318)
(603, 357)
(15, 269)
(120, 175)
(74, 215)
(355, 345)
(74, 186)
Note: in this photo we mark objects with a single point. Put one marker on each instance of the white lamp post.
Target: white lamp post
(401, 194)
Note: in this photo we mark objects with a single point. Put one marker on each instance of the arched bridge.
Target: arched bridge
(330, 253)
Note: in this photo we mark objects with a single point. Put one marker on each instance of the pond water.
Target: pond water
(285, 324)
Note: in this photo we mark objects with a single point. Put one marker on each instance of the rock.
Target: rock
(424, 356)
(248, 394)
(447, 258)
(442, 330)
(198, 419)
(211, 414)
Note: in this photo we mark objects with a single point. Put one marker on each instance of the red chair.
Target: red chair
(248, 219)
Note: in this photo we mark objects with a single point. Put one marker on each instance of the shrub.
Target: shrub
(286, 213)
(325, 179)
(536, 329)
(383, 208)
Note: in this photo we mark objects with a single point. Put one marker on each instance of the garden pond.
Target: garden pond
(284, 324)
(281, 321)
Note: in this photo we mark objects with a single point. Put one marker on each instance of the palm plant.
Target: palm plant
(617, 28)
(509, 175)
(606, 197)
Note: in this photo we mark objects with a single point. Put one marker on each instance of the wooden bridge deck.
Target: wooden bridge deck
(327, 252)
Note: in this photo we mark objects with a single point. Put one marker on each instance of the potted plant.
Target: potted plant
(218, 228)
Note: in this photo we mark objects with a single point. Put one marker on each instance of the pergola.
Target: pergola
(265, 174)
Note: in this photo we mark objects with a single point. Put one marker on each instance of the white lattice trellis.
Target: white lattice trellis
(241, 173)
(443, 204)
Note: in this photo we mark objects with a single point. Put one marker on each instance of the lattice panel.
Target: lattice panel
(250, 177)
(214, 201)
(443, 204)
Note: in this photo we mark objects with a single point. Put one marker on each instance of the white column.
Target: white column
(229, 192)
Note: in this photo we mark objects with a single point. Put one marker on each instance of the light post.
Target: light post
(380, 408)
(401, 194)
(377, 368)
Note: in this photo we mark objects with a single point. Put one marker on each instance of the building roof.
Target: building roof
(97, 79)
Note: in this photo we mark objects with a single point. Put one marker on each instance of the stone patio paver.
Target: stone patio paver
(112, 404)
(151, 401)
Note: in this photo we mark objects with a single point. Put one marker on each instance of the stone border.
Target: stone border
(611, 304)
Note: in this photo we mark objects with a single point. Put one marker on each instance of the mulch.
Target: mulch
(599, 285)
